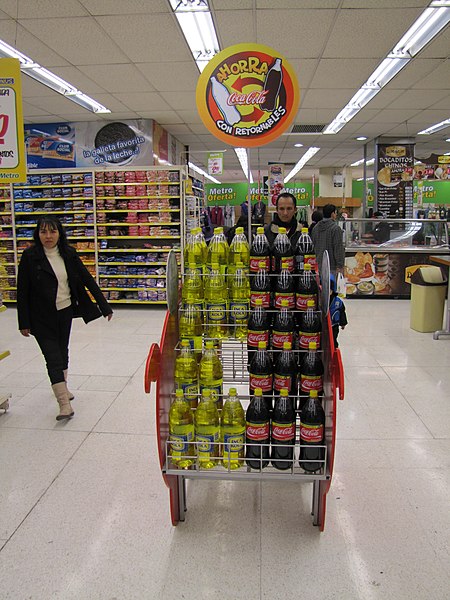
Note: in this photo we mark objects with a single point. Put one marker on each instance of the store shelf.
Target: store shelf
(137, 210)
(124, 276)
(138, 250)
(119, 183)
(23, 186)
(133, 289)
(138, 237)
(88, 211)
(131, 301)
(129, 264)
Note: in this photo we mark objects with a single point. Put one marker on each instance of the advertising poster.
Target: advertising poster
(434, 167)
(215, 163)
(236, 193)
(275, 181)
(12, 154)
(247, 95)
(394, 179)
(160, 144)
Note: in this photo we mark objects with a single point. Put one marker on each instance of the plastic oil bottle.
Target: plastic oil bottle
(216, 303)
(211, 373)
(192, 291)
(233, 431)
(239, 302)
(218, 251)
(207, 431)
(239, 251)
(186, 373)
(181, 432)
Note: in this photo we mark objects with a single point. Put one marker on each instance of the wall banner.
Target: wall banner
(394, 179)
(12, 151)
(247, 95)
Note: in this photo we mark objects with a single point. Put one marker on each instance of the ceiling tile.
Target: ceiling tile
(323, 99)
(180, 101)
(304, 69)
(394, 116)
(118, 77)
(221, 5)
(121, 116)
(146, 101)
(79, 80)
(31, 46)
(190, 116)
(125, 7)
(420, 99)
(57, 104)
(178, 128)
(33, 111)
(43, 9)
(343, 74)
(178, 77)
(235, 27)
(163, 117)
(435, 79)
(438, 48)
(310, 4)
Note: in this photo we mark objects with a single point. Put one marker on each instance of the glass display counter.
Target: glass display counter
(378, 251)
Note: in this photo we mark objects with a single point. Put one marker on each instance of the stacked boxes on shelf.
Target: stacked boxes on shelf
(7, 256)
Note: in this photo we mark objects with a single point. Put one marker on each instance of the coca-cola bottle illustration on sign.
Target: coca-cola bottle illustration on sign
(283, 432)
(312, 434)
(257, 432)
(272, 85)
(220, 94)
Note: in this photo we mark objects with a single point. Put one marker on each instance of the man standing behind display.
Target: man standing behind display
(284, 217)
(327, 235)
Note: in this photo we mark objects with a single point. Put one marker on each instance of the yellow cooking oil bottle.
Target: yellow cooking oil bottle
(218, 251)
(239, 302)
(239, 251)
(181, 432)
(211, 373)
(216, 303)
(186, 373)
(232, 431)
(207, 431)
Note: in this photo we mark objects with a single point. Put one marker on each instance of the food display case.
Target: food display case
(378, 251)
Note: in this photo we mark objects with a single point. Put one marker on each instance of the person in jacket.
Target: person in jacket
(338, 315)
(327, 235)
(286, 206)
(51, 291)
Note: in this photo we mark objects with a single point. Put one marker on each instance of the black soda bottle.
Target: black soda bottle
(283, 327)
(261, 374)
(283, 432)
(272, 85)
(304, 251)
(311, 374)
(257, 432)
(306, 288)
(258, 329)
(309, 326)
(285, 372)
(282, 248)
(284, 287)
(260, 286)
(312, 434)
(259, 252)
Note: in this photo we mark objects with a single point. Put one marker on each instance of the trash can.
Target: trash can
(428, 287)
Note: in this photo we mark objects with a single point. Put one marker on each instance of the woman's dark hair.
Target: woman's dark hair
(287, 195)
(52, 223)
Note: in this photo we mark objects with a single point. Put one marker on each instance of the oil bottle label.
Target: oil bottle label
(206, 442)
(289, 296)
(216, 312)
(264, 296)
(181, 437)
(190, 389)
(311, 433)
(283, 432)
(234, 442)
(261, 381)
(257, 431)
(282, 382)
(239, 310)
(304, 338)
(255, 262)
(302, 301)
(215, 387)
(279, 337)
(311, 382)
(253, 337)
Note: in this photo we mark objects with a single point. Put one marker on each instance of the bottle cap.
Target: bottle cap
(304, 230)
(260, 230)
(232, 392)
(258, 302)
(258, 391)
(215, 266)
(262, 345)
(262, 264)
(185, 343)
(209, 344)
(287, 345)
(312, 345)
(310, 303)
(307, 267)
(195, 230)
(313, 394)
(239, 230)
(240, 265)
(281, 229)
(285, 303)
(218, 230)
(179, 393)
(284, 392)
(284, 264)
(206, 393)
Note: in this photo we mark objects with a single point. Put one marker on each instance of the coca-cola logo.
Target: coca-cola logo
(305, 338)
(265, 383)
(253, 338)
(264, 296)
(311, 434)
(256, 262)
(311, 383)
(289, 297)
(278, 339)
(302, 301)
(282, 382)
(283, 432)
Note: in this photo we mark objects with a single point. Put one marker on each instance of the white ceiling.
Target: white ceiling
(131, 56)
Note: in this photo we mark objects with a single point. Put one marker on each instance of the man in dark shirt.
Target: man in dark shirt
(284, 217)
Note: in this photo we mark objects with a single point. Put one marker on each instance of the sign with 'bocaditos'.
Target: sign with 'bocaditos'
(13, 167)
(247, 95)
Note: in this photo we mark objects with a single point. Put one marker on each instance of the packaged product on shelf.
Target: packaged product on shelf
(261, 374)
(283, 432)
(312, 434)
(282, 249)
(211, 373)
(285, 372)
(239, 251)
(306, 288)
(259, 252)
(283, 327)
(186, 373)
(219, 249)
(207, 431)
(216, 303)
(257, 432)
(311, 373)
(181, 432)
(239, 302)
(309, 326)
(232, 431)
(284, 287)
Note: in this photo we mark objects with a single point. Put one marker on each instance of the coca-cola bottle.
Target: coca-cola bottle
(283, 432)
(258, 329)
(284, 287)
(259, 251)
(272, 85)
(309, 326)
(304, 251)
(285, 372)
(306, 288)
(260, 286)
(283, 327)
(261, 374)
(282, 248)
(257, 432)
(312, 434)
(311, 374)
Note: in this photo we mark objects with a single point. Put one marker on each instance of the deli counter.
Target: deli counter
(378, 251)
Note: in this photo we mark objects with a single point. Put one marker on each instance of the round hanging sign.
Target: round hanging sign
(247, 95)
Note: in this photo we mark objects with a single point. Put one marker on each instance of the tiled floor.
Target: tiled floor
(84, 511)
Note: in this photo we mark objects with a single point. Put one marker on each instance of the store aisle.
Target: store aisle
(84, 512)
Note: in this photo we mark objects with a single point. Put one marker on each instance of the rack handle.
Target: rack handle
(152, 366)
(339, 373)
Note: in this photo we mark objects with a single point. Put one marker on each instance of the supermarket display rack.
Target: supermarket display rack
(160, 369)
(4, 397)
(7, 246)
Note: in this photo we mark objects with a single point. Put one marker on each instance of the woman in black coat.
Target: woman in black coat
(51, 290)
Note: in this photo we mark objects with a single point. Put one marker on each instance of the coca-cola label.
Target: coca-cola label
(279, 337)
(302, 301)
(304, 339)
(290, 297)
(283, 432)
(239, 310)
(264, 296)
(261, 381)
(313, 434)
(287, 261)
(255, 263)
(282, 382)
(216, 312)
(253, 337)
(311, 382)
(257, 432)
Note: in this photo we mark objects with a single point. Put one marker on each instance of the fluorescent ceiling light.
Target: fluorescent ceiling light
(46, 77)
(367, 179)
(361, 138)
(195, 20)
(434, 128)
(241, 153)
(202, 172)
(298, 145)
(301, 163)
(432, 20)
(360, 162)
(447, 140)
